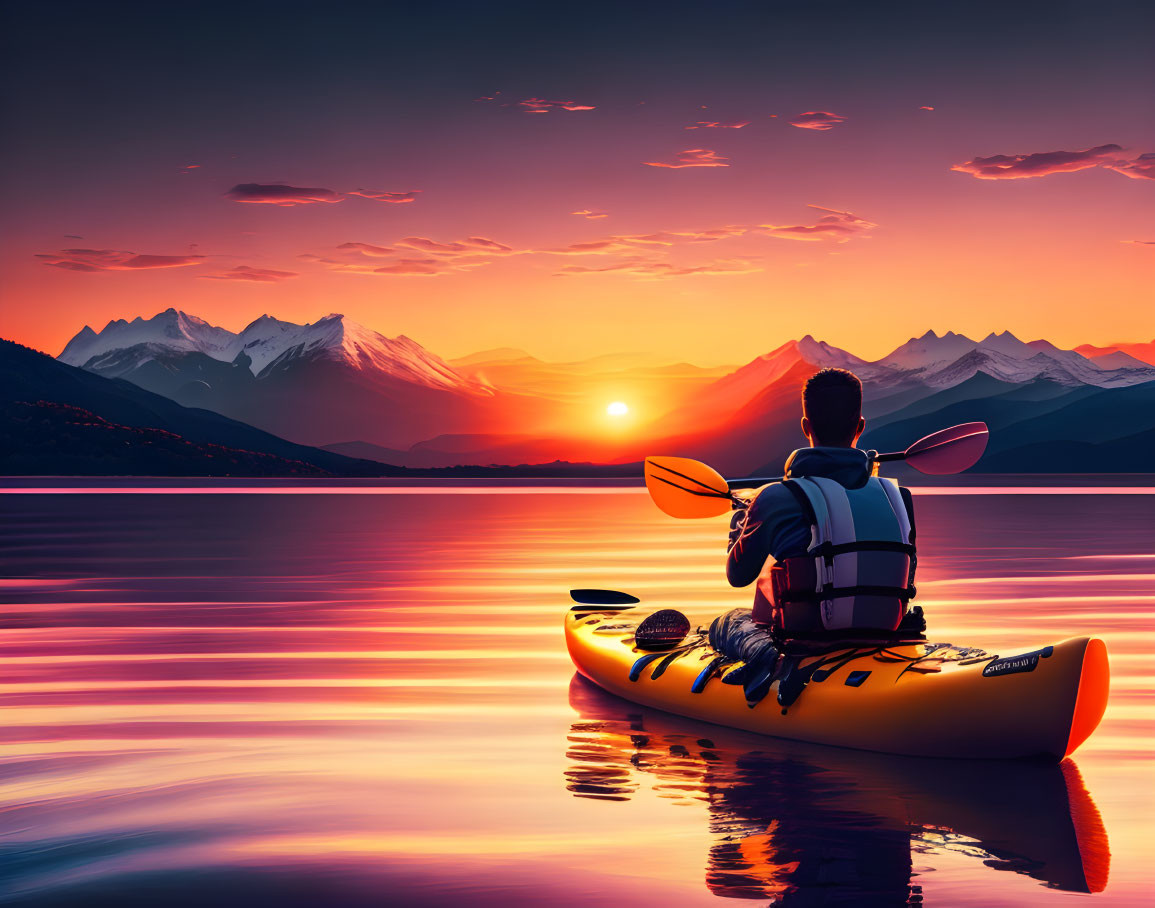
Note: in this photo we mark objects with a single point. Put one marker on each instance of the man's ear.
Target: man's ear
(806, 430)
(858, 431)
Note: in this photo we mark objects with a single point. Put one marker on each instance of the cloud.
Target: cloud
(817, 119)
(437, 257)
(470, 246)
(658, 269)
(92, 260)
(1140, 168)
(395, 198)
(592, 214)
(835, 225)
(369, 249)
(245, 273)
(1140, 242)
(926, 108)
(280, 194)
(416, 266)
(72, 236)
(541, 106)
(692, 157)
(711, 124)
(1041, 164)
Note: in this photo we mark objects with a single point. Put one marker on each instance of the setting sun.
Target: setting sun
(617, 408)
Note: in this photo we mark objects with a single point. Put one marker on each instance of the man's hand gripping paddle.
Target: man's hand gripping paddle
(687, 488)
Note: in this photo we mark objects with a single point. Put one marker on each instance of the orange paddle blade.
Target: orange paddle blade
(686, 488)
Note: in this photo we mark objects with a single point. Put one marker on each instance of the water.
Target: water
(284, 696)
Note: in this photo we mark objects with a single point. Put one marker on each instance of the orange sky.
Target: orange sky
(1058, 245)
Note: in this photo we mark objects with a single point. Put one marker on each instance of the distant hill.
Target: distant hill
(51, 439)
(39, 394)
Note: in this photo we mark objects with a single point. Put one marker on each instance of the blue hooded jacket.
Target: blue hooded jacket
(774, 526)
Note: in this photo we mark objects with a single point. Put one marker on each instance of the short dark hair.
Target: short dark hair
(832, 401)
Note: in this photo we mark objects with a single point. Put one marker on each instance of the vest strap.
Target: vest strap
(829, 549)
(841, 592)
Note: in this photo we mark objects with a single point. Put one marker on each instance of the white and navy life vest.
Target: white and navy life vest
(861, 549)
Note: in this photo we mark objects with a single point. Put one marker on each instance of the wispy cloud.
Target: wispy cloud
(1140, 242)
(926, 108)
(395, 198)
(369, 249)
(817, 119)
(287, 196)
(541, 105)
(713, 124)
(281, 194)
(1140, 168)
(470, 246)
(692, 157)
(835, 225)
(413, 255)
(256, 275)
(592, 214)
(659, 269)
(93, 260)
(1045, 163)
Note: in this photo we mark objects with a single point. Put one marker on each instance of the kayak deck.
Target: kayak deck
(916, 698)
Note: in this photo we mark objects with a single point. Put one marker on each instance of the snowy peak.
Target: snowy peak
(266, 342)
(172, 328)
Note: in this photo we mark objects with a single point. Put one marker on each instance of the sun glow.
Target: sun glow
(617, 408)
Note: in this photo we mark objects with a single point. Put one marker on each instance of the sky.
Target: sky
(574, 180)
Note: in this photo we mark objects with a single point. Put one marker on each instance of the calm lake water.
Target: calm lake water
(303, 698)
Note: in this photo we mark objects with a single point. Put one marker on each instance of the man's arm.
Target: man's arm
(770, 526)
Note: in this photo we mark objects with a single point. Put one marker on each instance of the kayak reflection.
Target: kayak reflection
(806, 824)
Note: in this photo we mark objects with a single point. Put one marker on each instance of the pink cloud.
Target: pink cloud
(428, 267)
(439, 258)
(692, 157)
(835, 225)
(473, 245)
(369, 249)
(592, 214)
(1140, 242)
(1041, 164)
(658, 269)
(710, 124)
(1140, 168)
(395, 198)
(926, 108)
(817, 119)
(92, 260)
(257, 275)
(280, 194)
(541, 106)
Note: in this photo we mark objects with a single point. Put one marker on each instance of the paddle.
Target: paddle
(686, 488)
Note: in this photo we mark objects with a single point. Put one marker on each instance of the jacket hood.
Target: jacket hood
(849, 467)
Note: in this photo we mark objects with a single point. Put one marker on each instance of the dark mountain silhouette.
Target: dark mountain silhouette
(38, 381)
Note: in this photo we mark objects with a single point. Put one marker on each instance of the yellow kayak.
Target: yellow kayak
(917, 698)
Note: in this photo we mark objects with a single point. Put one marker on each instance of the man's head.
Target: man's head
(832, 409)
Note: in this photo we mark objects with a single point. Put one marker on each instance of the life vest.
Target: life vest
(856, 573)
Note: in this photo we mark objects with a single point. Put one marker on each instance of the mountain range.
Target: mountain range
(367, 397)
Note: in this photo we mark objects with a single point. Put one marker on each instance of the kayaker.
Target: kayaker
(831, 546)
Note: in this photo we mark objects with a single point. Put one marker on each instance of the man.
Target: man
(831, 546)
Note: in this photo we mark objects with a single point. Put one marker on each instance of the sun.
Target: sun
(617, 408)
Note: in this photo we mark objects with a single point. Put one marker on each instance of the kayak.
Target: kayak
(909, 697)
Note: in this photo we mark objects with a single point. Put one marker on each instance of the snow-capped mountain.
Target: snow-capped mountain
(123, 346)
(171, 329)
(942, 362)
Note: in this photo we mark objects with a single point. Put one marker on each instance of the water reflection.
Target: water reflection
(805, 825)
